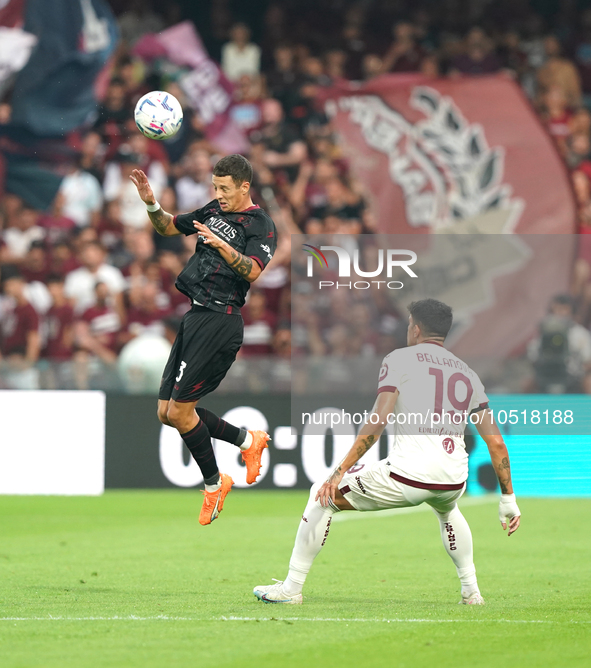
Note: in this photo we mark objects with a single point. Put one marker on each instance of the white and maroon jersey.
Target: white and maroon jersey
(437, 392)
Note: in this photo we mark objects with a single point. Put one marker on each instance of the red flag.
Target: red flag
(452, 154)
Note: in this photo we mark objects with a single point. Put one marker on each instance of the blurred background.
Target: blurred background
(88, 299)
(77, 253)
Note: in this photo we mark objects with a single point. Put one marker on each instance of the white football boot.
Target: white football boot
(275, 594)
(473, 599)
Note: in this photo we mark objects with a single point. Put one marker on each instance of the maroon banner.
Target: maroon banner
(442, 155)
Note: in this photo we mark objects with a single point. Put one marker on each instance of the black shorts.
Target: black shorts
(204, 349)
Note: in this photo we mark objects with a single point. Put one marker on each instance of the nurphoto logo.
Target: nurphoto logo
(389, 259)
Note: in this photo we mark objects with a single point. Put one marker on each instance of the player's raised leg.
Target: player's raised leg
(197, 438)
(251, 443)
(457, 541)
(311, 536)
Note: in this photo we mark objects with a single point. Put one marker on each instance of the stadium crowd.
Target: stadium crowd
(84, 279)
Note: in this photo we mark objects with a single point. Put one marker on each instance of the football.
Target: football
(158, 115)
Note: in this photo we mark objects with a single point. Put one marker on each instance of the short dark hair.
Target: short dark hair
(236, 166)
(9, 272)
(434, 317)
(564, 300)
(55, 278)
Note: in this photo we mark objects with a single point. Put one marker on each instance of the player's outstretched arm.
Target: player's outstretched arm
(509, 512)
(369, 434)
(242, 264)
(163, 222)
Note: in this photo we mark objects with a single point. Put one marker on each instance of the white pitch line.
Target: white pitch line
(340, 620)
(423, 508)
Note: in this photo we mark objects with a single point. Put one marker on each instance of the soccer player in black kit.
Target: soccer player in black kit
(235, 242)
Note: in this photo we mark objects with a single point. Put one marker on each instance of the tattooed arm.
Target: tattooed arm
(163, 222)
(499, 456)
(369, 434)
(242, 264)
(509, 513)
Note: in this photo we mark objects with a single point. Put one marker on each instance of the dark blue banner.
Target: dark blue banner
(54, 92)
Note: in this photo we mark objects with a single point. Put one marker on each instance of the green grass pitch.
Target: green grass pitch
(131, 579)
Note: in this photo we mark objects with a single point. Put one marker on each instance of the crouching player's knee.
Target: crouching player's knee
(314, 490)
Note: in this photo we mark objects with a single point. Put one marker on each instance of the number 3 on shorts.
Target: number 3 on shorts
(181, 371)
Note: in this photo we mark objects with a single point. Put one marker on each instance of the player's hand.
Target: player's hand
(329, 489)
(509, 513)
(326, 492)
(140, 180)
(207, 236)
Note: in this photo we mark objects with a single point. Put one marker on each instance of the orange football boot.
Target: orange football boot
(252, 456)
(213, 503)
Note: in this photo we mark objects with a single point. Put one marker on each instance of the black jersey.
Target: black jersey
(207, 279)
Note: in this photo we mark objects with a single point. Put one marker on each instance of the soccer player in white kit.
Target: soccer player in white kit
(428, 394)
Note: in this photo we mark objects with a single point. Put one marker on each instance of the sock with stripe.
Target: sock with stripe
(198, 440)
(223, 430)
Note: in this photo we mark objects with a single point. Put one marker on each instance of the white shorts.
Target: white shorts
(373, 488)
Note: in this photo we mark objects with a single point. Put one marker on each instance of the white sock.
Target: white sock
(214, 488)
(457, 540)
(247, 441)
(311, 536)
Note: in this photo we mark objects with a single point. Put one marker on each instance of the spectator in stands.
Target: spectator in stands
(193, 188)
(139, 247)
(80, 283)
(559, 72)
(248, 97)
(118, 187)
(110, 229)
(113, 115)
(145, 314)
(97, 335)
(259, 324)
(512, 56)
(82, 196)
(478, 57)
(34, 266)
(57, 226)
(62, 260)
(341, 202)
(557, 117)
(139, 20)
(58, 336)
(579, 152)
(283, 80)
(284, 149)
(582, 56)
(21, 234)
(335, 62)
(130, 72)
(355, 45)
(92, 153)
(404, 54)
(282, 341)
(19, 334)
(372, 66)
(239, 55)
(561, 353)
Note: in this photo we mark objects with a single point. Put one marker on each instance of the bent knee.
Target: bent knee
(181, 416)
(314, 490)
